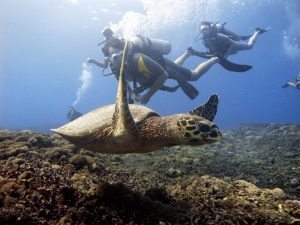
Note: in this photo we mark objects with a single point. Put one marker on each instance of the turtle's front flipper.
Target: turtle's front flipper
(123, 123)
(209, 109)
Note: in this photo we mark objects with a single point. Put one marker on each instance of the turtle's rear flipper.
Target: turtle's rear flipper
(233, 66)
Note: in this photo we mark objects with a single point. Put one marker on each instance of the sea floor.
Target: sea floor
(251, 177)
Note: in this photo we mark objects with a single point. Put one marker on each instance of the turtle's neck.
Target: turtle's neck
(155, 130)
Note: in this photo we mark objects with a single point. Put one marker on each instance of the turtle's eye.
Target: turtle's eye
(204, 128)
(214, 134)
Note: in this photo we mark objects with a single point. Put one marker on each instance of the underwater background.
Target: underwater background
(45, 43)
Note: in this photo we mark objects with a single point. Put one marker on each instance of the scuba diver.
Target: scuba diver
(148, 67)
(223, 42)
(73, 114)
(291, 84)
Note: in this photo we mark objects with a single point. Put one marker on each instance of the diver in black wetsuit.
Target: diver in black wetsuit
(73, 114)
(219, 40)
(148, 67)
(295, 84)
(223, 42)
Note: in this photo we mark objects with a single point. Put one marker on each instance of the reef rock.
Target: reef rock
(251, 177)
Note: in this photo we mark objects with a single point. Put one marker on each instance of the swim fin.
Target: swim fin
(233, 66)
(223, 62)
(261, 30)
(188, 89)
(169, 89)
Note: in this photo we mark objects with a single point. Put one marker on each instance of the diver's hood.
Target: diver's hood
(203, 27)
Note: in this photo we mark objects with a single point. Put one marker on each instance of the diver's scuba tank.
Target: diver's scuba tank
(151, 45)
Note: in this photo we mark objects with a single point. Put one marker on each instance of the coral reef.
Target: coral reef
(250, 177)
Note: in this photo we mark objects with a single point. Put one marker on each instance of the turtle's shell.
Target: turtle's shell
(100, 118)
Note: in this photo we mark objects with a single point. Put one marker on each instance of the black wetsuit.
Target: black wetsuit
(145, 70)
(217, 44)
(145, 66)
(219, 39)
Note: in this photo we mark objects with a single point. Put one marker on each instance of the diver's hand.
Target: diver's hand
(136, 97)
(90, 60)
(130, 101)
(145, 99)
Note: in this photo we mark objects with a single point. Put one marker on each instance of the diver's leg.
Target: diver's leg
(254, 36)
(181, 59)
(236, 46)
(231, 34)
(289, 84)
(203, 68)
(253, 39)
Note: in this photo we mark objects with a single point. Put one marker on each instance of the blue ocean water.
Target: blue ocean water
(45, 43)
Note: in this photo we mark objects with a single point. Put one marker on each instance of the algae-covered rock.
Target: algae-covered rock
(250, 177)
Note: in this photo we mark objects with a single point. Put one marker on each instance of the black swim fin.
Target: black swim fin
(169, 89)
(223, 62)
(233, 66)
(188, 89)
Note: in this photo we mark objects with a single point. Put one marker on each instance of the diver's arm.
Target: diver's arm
(158, 83)
(100, 64)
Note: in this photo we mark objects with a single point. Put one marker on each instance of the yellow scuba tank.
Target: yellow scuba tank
(145, 44)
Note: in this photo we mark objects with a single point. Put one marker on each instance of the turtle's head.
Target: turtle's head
(195, 130)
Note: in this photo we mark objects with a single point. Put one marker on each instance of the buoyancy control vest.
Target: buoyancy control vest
(217, 39)
(217, 45)
(153, 48)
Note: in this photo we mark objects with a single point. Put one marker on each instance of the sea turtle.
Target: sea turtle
(127, 128)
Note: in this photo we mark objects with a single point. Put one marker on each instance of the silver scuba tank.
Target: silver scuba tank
(159, 46)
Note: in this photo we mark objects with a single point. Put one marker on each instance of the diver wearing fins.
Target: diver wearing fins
(295, 84)
(73, 114)
(148, 67)
(223, 42)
